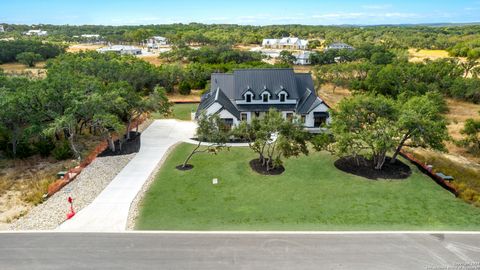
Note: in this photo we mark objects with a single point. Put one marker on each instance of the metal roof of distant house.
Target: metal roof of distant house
(269, 41)
(288, 40)
(303, 54)
(159, 38)
(90, 35)
(117, 48)
(339, 45)
(285, 41)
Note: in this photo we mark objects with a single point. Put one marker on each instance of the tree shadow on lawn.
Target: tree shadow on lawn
(364, 168)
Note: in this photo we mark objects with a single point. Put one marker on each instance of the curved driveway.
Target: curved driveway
(109, 211)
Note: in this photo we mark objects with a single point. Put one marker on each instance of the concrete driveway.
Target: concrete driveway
(109, 211)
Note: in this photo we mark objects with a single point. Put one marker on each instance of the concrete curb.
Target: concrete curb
(260, 232)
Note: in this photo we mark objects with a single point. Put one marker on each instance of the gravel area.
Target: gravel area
(84, 189)
(136, 203)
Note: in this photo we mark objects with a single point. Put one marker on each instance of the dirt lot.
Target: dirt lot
(459, 112)
(83, 47)
(22, 184)
(152, 59)
(333, 95)
(18, 69)
(416, 55)
(193, 97)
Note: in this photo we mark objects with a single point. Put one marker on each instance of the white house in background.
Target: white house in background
(90, 36)
(339, 46)
(156, 41)
(121, 49)
(2, 29)
(248, 93)
(36, 32)
(289, 43)
(303, 58)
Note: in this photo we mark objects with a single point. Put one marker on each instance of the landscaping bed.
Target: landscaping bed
(312, 194)
(365, 168)
(258, 167)
(129, 146)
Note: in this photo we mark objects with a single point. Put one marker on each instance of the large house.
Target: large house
(288, 43)
(248, 93)
(90, 36)
(37, 32)
(121, 49)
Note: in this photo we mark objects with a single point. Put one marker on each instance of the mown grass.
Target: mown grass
(180, 111)
(311, 195)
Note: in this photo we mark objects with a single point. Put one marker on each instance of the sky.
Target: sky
(247, 12)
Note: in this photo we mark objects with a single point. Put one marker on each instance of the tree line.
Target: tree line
(83, 94)
(11, 50)
(423, 37)
(192, 68)
(448, 77)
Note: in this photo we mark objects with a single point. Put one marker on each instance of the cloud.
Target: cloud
(377, 7)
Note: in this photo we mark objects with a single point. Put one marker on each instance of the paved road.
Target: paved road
(237, 251)
(109, 211)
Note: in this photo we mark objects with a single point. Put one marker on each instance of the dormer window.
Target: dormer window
(248, 97)
(282, 95)
(265, 97)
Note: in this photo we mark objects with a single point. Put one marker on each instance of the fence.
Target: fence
(423, 167)
(74, 172)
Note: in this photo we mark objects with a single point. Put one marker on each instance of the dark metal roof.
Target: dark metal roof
(217, 96)
(228, 87)
(227, 103)
(260, 79)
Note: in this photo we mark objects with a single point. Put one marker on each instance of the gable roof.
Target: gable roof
(269, 41)
(217, 96)
(288, 41)
(258, 79)
(228, 87)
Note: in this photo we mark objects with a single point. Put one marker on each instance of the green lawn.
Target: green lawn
(311, 195)
(180, 111)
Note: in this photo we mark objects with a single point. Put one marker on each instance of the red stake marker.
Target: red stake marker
(72, 212)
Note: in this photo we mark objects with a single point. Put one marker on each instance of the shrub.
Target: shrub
(44, 147)
(23, 150)
(62, 151)
(35, 189)
(184, 88)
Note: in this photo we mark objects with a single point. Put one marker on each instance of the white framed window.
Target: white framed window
(265, 97)
(243, 117)
(289, 116)
(283, 97)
